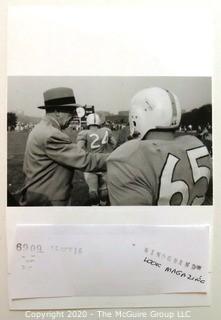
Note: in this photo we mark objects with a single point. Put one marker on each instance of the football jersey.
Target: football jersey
(159, 172)
(96, 139)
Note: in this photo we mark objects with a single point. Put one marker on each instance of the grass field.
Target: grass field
(16, 149)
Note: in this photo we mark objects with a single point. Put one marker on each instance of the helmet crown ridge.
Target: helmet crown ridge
(93, 119)
(154, 108)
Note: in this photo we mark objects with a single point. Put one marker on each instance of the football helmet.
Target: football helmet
(93, 119)
(154, 108)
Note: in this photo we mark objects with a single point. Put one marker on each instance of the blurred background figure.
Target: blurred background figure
(96, 139)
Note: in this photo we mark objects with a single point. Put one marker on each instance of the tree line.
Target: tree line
(198, 117)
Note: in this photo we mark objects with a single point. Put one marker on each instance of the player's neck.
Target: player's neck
(94, 128)
(159, 135)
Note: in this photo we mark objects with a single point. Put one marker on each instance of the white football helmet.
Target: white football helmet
(154, 108)
(93, 119)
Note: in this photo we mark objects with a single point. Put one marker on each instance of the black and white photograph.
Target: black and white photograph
(110, 146)
(109, 141)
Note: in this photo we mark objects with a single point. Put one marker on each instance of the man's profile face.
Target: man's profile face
(65, 118)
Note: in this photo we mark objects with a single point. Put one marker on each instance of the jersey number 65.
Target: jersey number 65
(169, 187)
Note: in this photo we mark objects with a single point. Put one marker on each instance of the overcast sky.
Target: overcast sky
(111, 94)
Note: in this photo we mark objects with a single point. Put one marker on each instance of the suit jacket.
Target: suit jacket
(49, 162)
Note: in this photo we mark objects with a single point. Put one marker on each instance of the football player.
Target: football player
(159, 167)
(96, 139)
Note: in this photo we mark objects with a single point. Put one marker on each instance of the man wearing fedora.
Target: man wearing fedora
(51, 157)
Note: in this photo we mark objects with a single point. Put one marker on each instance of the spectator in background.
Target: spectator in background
(123, 135)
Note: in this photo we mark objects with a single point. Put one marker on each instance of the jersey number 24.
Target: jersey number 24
(96, 140)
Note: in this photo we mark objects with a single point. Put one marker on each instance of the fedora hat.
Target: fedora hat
(61, 97)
